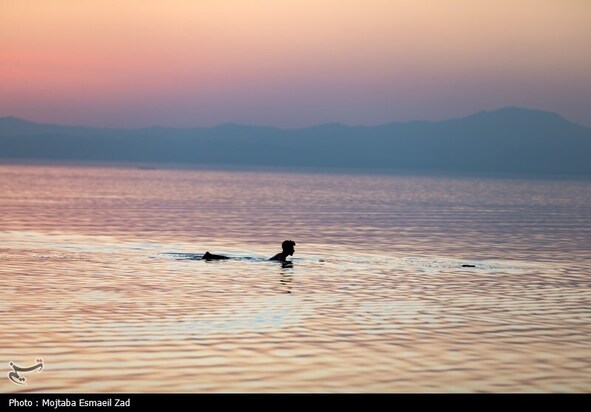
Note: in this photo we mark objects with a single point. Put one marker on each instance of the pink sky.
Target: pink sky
(290, 63)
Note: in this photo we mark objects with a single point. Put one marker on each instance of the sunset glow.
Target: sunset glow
(290, 63)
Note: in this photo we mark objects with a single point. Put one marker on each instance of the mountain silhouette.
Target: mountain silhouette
(508, 140)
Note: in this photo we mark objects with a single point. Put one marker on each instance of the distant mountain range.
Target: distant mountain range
(508, 141)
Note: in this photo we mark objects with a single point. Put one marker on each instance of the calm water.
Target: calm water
(99, 280)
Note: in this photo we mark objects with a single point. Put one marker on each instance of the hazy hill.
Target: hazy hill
(509, 140)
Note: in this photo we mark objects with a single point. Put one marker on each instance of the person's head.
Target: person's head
(288, 247)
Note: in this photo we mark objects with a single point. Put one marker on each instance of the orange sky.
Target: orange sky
(290, 63)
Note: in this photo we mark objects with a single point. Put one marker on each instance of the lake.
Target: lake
(398, 283)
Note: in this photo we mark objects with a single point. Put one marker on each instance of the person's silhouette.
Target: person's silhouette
(287, 246)
(288, 250)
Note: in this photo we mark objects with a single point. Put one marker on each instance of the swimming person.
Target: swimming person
(288, 250)
(287, 246)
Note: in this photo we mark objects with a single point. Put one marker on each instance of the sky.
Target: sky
(132, 63)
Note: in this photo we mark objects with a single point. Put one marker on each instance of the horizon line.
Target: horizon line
(317, 125)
